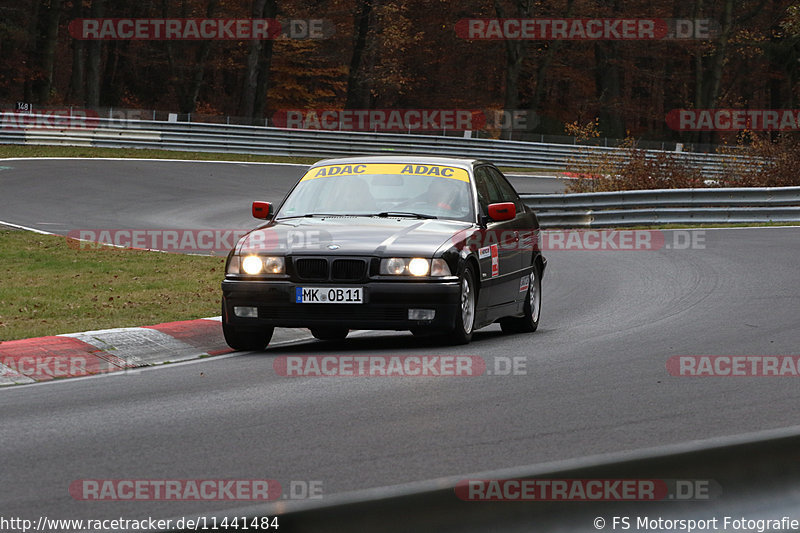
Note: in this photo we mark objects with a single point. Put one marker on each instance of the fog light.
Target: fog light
(421, 314)
(245, 312)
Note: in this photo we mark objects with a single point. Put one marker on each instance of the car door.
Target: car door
(525, 226)
(498, 256)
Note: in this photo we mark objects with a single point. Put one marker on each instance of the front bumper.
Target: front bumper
(386, 305)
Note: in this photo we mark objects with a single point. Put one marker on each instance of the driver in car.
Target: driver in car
(441, 194)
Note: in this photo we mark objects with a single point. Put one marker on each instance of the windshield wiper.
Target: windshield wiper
(409, 214)
(312, 215)
(383, 214)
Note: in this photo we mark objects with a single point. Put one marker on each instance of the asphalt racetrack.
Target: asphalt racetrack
(61, 195)
(595, 379)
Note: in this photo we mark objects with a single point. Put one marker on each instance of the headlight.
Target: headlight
(419, 266)
(414, 266)
(273, 265)
(395, 266)
(253, 265)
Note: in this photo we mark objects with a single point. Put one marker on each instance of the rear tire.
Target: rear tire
(245, 340)
(532, 309)
(330, 333)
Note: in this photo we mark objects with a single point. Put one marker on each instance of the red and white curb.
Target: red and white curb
(113, 350)
(108, 350)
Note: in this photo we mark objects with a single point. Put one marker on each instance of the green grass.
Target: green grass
(51, 286)
(9, 150)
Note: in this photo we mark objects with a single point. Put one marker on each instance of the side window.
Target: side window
(505, 190)
(482, 185)
(493, 193)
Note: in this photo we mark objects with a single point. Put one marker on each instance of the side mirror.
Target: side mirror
(502, 211)
(262, 210)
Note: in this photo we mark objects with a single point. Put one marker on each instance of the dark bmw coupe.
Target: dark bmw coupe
(432, 245)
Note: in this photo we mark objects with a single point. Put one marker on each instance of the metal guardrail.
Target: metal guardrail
(757, 476)
(206, 137)
(667, 206)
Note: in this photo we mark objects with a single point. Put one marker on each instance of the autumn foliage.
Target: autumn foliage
(761, 160)
(756, 160)
(405, 54)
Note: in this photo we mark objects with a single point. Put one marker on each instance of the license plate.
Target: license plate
(329, 295)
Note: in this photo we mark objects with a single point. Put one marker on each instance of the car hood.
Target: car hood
(348, 235)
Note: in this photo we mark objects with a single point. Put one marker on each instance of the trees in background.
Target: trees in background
(406, 54)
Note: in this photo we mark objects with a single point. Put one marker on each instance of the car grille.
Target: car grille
(348, 269)
(329, 269)
(311, 269)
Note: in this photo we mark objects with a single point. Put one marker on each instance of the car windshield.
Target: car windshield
(423, 191)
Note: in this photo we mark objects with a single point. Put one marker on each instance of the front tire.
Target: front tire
(532, 309)
(245, 340)
(465, 320)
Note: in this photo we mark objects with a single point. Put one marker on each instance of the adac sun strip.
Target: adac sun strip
(387, 168)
